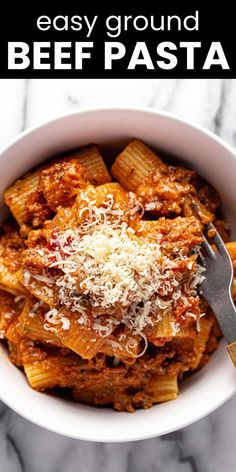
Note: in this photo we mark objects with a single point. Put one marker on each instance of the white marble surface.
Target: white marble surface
(207, 446)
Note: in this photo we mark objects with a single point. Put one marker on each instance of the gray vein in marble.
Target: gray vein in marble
(15, 452)
(225, 120)
(3, 410)
(217, 121)
(72, 100)
(172, 94)
(185, 457)
(163, 93)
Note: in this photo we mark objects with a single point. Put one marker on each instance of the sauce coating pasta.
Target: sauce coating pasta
(99, 278)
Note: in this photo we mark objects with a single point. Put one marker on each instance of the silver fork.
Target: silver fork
(216, 288)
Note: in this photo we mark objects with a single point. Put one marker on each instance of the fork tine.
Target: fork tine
(217, 239)
(208, 247)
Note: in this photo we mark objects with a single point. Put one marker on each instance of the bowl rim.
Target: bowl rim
(117, 109)
(121, 439)
(88, 110)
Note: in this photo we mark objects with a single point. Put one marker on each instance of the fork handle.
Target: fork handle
(232, 351)
(225, 312)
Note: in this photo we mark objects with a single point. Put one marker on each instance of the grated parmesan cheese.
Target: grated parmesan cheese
(54, 317)
(150, 206)
(105, 266)
(47, 327)
(27, 276)
(34, 308)
(8, 315)
(175, 328)
(19, 298)
(43, 278)
(65, 322)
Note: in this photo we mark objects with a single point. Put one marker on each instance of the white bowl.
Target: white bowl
(112, 128)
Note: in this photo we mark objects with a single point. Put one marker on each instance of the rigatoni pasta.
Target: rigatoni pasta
(11, 248)
(164, 388)
(99, 279)
(31, 323)
(18, 195)
(36, 197)
(96, 169)
(134, 164)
